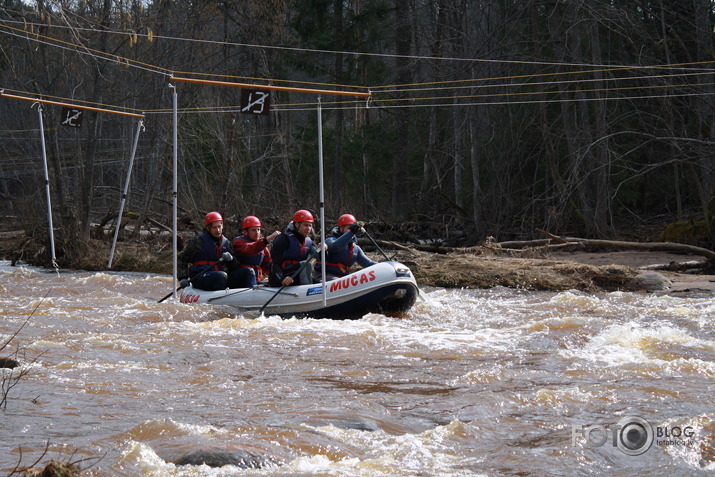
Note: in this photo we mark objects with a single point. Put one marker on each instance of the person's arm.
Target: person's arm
(280, 245)
(362, 259)
(228, 260)
(267, 262)
(335, 244)
(187, 254)
(247, 249)
(186, 257)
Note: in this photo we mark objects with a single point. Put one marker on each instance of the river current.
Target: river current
(468, 382)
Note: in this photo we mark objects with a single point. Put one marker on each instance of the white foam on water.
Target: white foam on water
(640, 344)
(142, 457)
(432, 452)
(688, 440)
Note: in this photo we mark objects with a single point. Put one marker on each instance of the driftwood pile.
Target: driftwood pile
(531, 265)
(542, 247)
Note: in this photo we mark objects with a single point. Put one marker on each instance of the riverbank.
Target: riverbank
(559, 271)
(479, 267)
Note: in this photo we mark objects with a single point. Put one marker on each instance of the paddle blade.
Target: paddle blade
(422, 295)
(184, 283)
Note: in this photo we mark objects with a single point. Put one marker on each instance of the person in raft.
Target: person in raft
(207, 256)
(343, 250)
(250, 249)
(290, 249)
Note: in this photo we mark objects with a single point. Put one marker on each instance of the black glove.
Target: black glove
(357, 229)
(226, 257)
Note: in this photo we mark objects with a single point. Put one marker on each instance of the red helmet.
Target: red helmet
(346, 219)
(212, 217)
(251, 221)
(303, 216)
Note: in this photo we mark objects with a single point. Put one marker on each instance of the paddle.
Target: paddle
(376, 245)
(185, 283)
(293, 275)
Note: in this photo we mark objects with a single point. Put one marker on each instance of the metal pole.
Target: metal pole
(140, 125)
(322, 198)
(174, 194)
(47, 187)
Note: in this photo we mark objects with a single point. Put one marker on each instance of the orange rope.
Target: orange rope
(57, 103)
(274, 88)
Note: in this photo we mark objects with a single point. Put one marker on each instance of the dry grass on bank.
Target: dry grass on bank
(484, 269)
(152, 256)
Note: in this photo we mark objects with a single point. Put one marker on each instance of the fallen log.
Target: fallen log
(509, 248)
(524, 243)
(647, 246)
(531, 246)
(394, 245)
(159, 224)
(432, 248)
(676, 266)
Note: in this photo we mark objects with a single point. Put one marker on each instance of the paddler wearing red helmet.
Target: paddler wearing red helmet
(251, 250)
(343, 250)
(208, 258)
(290, 249)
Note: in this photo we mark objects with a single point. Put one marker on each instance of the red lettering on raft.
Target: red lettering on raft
(189, 298)
(352, 281)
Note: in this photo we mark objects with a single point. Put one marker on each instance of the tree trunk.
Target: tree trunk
(599, 145)
(429, 155)
(400, 186)
(587, 157)
(339, 129)
(705, 108)
(479, 128)
(457, 154)
(430, 174)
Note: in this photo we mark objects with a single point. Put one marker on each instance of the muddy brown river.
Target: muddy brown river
(469, 382)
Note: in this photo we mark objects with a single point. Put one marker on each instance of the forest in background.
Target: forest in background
(487, 117)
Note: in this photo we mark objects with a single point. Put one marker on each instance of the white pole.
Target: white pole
(322, 197)
(174, 194)
(118, 222)
(47, 188)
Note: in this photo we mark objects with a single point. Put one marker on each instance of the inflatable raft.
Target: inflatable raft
(388, 288)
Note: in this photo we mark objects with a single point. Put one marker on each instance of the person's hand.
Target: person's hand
(357, 228)
(226, 257)
(273, 236)
(287, 281)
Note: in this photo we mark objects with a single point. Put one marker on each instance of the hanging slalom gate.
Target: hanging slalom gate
(39, 102)
(140, 128)
(320, 152)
